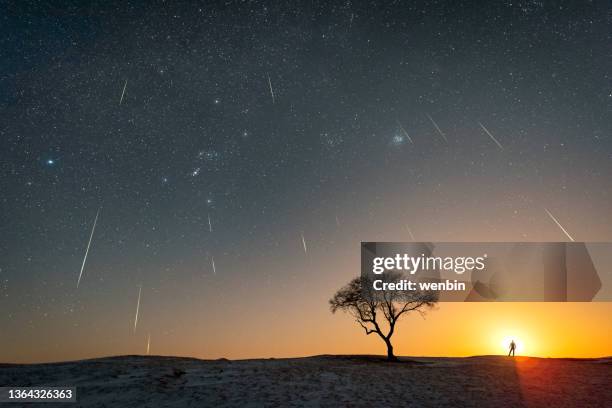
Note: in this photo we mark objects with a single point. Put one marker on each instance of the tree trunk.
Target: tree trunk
(390, 355)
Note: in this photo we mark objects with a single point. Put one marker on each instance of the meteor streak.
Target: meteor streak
(123, 92)
(87, 250)
(212, 258)
(433, 122)
(304, 244)
(559, 225)
(271, 90)
(410, 232)
(404, 132)
(148, 343)
(491, 136)
(137, 308)
(209, 224)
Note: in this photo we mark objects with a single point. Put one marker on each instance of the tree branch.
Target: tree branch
(368, 331)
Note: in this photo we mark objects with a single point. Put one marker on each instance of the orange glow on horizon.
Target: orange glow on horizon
(299, 323)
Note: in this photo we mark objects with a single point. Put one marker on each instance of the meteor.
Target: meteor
(433, 122)
(491, 136)
(410, 232)
(404, 132)
(559, 225)
(271, 90)
(123, 92)
(137, 308)
(87, 250)
(304, 244)
(148, 343)
(209, 224)
(212, 258)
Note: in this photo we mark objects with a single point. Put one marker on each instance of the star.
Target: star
(398, 140)
(208, 155)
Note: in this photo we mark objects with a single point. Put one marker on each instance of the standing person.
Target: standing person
(512, 348)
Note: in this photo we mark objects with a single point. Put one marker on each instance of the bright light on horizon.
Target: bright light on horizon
(525, 345)
(520, 346)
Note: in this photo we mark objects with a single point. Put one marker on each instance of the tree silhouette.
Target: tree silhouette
(367, 305)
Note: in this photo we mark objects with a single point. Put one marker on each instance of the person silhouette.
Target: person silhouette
(512, 348)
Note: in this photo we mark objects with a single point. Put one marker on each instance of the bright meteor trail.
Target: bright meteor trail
(304, 244)
(137, 308)
(404, 132)
(123, 92)
(87, 250)
(491, 136)
(433, 122)
(559, 224)
(271, 90)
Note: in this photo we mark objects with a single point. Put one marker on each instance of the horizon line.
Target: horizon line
(382, 356)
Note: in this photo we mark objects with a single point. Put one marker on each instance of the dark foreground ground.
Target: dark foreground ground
(351, 381)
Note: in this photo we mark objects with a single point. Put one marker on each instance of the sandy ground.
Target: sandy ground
(345, 381)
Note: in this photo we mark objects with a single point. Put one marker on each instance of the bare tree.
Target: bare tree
(377, 310)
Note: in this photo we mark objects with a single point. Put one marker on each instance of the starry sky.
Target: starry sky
(236, 154)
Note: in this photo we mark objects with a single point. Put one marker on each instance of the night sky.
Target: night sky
(298, 130)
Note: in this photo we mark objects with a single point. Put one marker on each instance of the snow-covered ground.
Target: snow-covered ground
(355, 381)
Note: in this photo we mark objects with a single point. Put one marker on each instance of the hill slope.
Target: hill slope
(136, 381)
